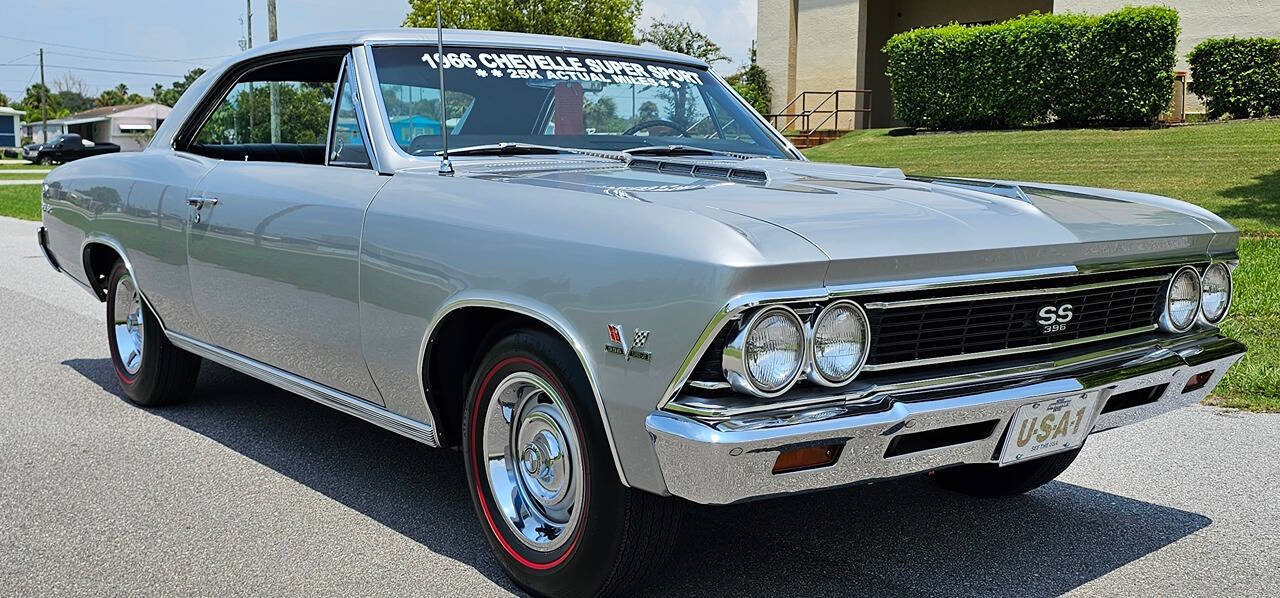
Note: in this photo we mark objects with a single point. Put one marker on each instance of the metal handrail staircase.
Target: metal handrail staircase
(828, 110)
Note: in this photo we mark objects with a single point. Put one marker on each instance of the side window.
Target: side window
(276, 113)
(347, 147)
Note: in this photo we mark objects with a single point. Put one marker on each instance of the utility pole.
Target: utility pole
(248, 43)
(275, 91)
(44, 112)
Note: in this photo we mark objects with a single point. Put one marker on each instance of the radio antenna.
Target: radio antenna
(446, 166)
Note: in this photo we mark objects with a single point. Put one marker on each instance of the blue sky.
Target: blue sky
(165, 38)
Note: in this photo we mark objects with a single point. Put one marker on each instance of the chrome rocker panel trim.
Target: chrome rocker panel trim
(732, 460)
(319, 393)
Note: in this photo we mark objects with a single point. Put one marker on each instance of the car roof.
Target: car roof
(466, 37)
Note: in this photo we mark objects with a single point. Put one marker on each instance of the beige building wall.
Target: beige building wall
(890, 17)
(775, 48)
(810, 45)
(1200, 20)
(823, 45)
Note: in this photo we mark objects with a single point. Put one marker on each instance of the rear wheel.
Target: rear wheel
(542, 477)
(151, 370)
(991, 481)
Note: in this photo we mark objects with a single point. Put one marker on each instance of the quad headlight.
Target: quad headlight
(1182, 303)
(769, 353)
(1215, 287)
(840, 340)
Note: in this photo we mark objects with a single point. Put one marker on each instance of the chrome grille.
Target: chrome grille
(915, 328)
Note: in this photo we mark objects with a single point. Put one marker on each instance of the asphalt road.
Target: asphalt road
(247, 490)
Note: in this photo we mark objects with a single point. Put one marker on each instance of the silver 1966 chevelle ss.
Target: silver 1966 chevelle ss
(627, 288)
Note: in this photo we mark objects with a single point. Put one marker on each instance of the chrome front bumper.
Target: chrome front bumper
(718, 462)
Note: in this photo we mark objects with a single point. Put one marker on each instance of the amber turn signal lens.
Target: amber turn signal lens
(806, 458)
(1197, 381)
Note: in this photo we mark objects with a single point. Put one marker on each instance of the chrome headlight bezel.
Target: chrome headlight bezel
(1226, 308)
(1166, 319)
(734, 358)
(815, 375)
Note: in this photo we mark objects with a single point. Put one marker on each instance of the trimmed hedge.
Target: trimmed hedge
(1115, 68)
(1237, 76)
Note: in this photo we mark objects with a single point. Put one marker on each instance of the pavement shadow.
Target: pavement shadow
(902, 537)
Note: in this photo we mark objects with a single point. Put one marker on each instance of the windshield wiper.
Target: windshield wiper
(682, 150)
(507, 148)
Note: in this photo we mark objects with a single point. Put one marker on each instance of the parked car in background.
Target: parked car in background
(65, 148)
(626, 291)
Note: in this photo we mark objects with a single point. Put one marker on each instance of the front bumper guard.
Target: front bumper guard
(731, 461)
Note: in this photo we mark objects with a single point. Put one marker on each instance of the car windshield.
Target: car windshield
(562, 99)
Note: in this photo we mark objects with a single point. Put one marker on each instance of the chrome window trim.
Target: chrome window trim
(346, 80)
(228, 77)
(1012, 294)
(740, 303)
(815, 375)
(897, 365)
(381, 141)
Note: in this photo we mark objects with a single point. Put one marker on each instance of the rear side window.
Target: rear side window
(244, 116)
(278, 112)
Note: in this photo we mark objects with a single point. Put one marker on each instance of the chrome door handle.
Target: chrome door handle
(200, 202)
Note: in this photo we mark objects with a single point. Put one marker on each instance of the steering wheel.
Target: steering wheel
(656, 123)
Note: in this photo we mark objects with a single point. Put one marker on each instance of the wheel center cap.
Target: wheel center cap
(532, 460)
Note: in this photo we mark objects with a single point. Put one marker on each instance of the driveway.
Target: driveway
(247, 490)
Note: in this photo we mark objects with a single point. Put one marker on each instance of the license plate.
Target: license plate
(1048, 426)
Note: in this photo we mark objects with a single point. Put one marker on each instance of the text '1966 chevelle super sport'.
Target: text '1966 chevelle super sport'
(620, 289)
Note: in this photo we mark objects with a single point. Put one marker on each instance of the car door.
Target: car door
(275, 230)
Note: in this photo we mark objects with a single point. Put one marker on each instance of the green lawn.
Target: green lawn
(23, 166)
(13, 176)
(1232, 169)
(20, 201)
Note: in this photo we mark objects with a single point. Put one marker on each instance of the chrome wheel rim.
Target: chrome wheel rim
(128, 324)
(532, 461)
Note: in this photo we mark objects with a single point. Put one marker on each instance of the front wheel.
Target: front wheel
(990, 481)
(151, 370)
(543, 481)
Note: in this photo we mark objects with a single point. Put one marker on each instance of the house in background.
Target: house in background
(825, 45)
(10, 126)
(130, 126)
(33, 130)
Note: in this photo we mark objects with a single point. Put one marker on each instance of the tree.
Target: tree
(170, 96)
(4, 100)
(118, 96)
(71, 83)
(682, 38)
(752, 83)
(609, 20)
(31, 102)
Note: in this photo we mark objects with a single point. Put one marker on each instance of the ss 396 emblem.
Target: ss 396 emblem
(618, 343)
(1054, 318)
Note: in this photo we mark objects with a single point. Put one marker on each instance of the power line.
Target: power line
(112, 58)
(98, 50)
(85, 68)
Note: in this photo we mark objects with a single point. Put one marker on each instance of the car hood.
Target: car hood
(859, 215)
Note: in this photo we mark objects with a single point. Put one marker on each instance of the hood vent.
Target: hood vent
(739, 175)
